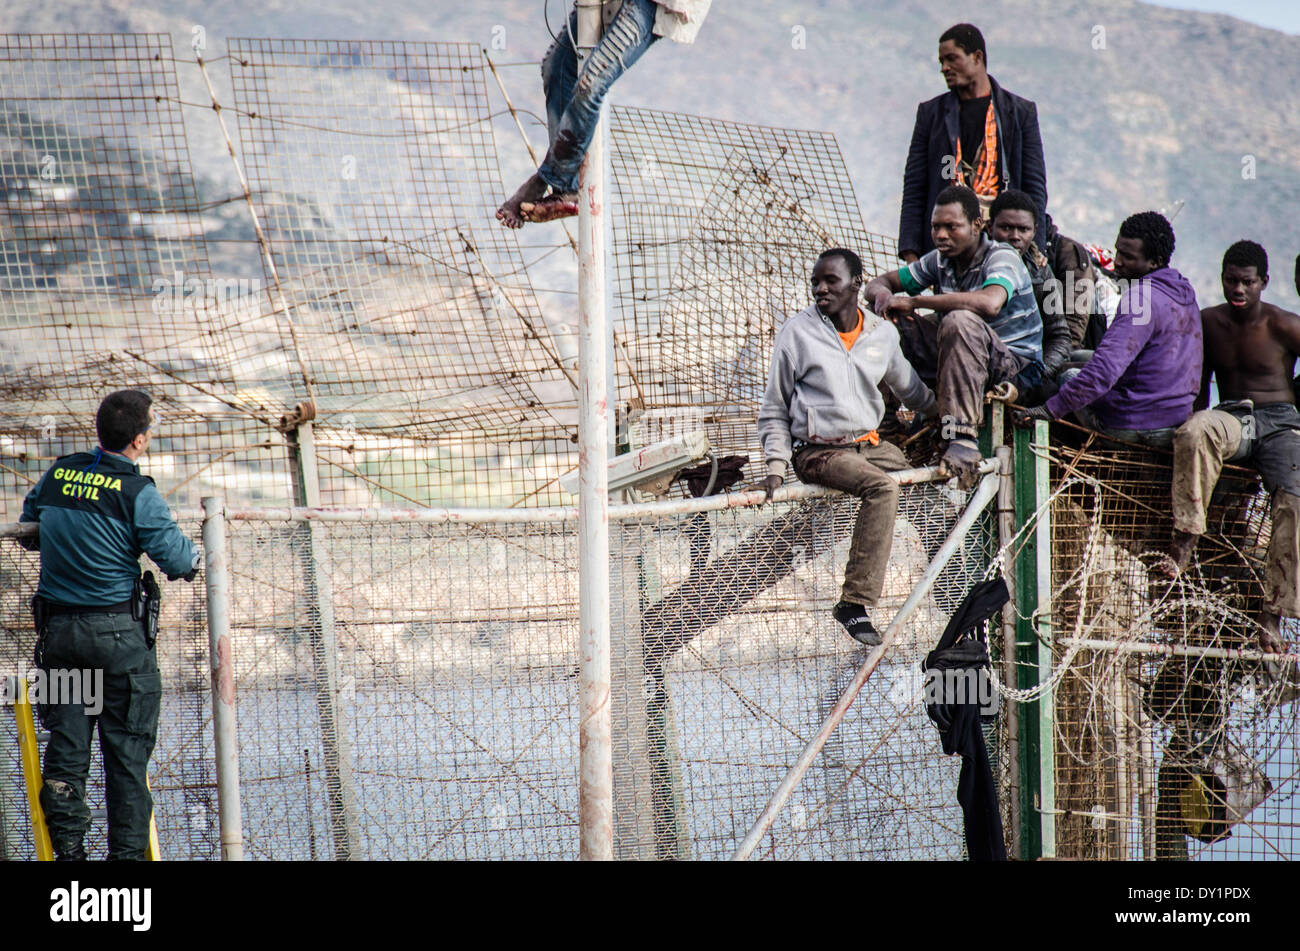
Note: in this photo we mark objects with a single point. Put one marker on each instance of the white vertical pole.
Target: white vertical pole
(595, 763)
(216, 576)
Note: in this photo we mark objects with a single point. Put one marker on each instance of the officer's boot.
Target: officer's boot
(67, 817)
(69, 850)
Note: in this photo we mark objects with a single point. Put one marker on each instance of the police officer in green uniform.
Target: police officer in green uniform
(97, 515)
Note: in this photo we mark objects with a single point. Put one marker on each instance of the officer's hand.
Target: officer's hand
(188, 576)
(770, 485)
(1030, 414)
(962, 461)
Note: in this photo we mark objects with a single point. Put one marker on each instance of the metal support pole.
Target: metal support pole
(1034, 647)
(987, 489)
(1147, 781)
(595, 762)
(1007, 532)
(1114, 842)
(318, 593)
(216, 576)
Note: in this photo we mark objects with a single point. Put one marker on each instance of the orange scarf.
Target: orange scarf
(984, 173)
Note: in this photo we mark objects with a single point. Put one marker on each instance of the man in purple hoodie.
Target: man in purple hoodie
(1141, 382)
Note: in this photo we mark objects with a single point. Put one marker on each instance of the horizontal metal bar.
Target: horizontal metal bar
(1170, 650)
(554, 514)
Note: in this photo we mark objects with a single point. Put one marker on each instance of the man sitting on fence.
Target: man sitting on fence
(1140, 383)
(822, 410)
(987, 328)
(1251, 349)
(1012, 220)
(1065, 280)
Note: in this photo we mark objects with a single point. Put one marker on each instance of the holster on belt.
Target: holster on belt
(146, 604)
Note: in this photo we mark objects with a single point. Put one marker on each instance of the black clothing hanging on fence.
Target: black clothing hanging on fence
(954, 704)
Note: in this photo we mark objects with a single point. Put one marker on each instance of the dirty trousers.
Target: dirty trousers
(127, 721)
(1266, 437)
(960, 355)
(860, 470)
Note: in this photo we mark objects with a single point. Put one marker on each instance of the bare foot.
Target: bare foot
(1270, 640)
(550, 208)
(1180, 556)
(531, 190)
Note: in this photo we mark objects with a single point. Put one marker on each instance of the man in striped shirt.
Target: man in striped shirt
(984, 328)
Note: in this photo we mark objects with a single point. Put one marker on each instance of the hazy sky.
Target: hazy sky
(1277, 14)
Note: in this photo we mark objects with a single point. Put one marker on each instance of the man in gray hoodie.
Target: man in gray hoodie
(822, 411)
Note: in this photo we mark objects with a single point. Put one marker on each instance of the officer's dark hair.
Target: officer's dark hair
(1012, 200)
(1247, 254)
(851, 260)
(122, 416)
(960, 195)
(968, 38)
(1155, 233)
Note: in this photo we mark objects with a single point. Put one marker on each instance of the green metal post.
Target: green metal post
(1033, 572)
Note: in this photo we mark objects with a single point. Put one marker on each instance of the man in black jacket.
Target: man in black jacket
(1065, 287)
(976, 134)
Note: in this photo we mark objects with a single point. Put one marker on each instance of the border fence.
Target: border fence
(430, 710)
(401, 683)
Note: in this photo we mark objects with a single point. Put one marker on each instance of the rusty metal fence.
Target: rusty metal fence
(1175, 738)
(406, 685)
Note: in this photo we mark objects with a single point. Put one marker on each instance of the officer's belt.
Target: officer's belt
(122, 607)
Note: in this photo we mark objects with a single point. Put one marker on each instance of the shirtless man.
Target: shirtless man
(1251, 348)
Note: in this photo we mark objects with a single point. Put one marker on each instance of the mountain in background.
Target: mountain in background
(1140, 106)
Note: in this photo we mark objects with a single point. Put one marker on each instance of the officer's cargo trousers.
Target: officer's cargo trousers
(127, 719)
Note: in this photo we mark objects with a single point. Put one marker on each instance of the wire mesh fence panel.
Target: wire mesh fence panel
(373, 168)
(1174, 740)
(430, 710)
(104, 275)
(181, 771)
(395, 300)
(441, 725)
(726, 663)
(716, 228)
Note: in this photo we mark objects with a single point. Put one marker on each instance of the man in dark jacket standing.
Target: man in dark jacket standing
(976, 134)
(97, 515)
